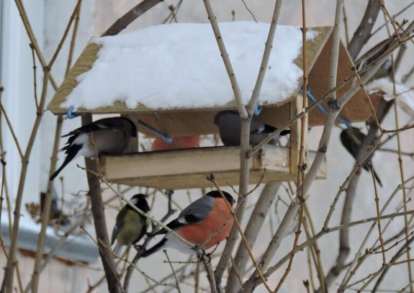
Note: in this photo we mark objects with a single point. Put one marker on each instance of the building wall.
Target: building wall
(96, 16)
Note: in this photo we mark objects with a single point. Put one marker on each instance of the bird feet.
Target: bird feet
(202, 255)
(139, 248)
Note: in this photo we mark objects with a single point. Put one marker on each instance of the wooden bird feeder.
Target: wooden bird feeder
(188, 168)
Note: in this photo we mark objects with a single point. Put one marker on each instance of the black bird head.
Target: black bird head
(140, 202)
(216, 194)
(226, 112)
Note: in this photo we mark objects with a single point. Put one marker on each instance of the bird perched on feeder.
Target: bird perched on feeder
(130, 225)
(229, 124)
(205, 222)
(110, 137)
(351, 139)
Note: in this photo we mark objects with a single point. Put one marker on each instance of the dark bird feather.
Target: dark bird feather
(351, 139)
(110, 135)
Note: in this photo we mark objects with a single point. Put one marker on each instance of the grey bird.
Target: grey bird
(351, 139)
(110, 136)
(229, 124)
(130, 226)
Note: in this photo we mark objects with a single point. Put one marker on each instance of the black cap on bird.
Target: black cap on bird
(130, 225)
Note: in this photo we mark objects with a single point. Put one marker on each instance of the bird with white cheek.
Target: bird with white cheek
(111, 136)
(205, 223)
(130, 225)
(229, 124)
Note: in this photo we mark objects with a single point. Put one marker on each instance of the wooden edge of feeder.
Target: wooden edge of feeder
(188, 168)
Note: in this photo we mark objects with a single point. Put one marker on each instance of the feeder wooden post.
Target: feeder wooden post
(295, 108)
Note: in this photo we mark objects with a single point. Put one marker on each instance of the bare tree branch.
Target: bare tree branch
(252, 230)
(363, 32)
(130, 16)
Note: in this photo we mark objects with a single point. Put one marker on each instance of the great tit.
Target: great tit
(130, 226)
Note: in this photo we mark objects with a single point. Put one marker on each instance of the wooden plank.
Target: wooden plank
(181, 169)
(179, 162)
(356, 109)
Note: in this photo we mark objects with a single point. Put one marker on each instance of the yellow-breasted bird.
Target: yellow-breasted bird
(130, 226)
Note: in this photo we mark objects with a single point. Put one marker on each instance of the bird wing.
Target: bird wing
(352, 141)
(195, 213)
(103, 124)
(257, 127)
(120, 221)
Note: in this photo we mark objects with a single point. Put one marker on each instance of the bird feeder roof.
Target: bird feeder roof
(177, 69)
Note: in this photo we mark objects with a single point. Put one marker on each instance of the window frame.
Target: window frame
(16, 70)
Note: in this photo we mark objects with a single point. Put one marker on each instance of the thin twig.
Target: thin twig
(34, 78)
(16, 141)
(173, 271)
(226, 60)
(251, 232)
(395, 16)
(7, 285)
(130, 16)
(384, 259)
(265, 59)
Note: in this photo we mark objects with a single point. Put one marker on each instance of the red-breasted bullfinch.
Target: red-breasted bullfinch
(184, 142)
(229, 124)
(351, 139)
(130, 226)
(208, 217)
(110, 136)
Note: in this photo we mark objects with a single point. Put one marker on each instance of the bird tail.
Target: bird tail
(155, 248)
(377, 178)
(71, 153)
(117, 249)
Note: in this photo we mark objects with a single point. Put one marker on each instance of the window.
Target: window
(16, 76)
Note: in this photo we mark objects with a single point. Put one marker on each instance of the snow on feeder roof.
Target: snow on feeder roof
(165, 73)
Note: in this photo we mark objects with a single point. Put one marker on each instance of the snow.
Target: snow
(404, 95)
(179, 66)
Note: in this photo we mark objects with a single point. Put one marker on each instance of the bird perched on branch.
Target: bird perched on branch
(110, 137)
(351, 139)
(229, 124)
(205, 222)
(130, 226)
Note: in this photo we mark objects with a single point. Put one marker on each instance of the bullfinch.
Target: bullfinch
(130, 226)
(208, 217)
(110, 136)
(184, 142)
(229, 124)
(351, 139)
